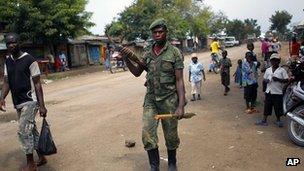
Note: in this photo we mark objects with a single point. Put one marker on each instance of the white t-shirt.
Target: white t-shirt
(196, 71)
(275, 87)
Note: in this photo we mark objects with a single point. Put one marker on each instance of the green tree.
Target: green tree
(46, 21)
(183, 17)
(236, 28)
(199, 20)
(218, 22)
(251, 27)
(279, 21)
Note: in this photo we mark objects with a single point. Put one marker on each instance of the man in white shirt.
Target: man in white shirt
(275, 77)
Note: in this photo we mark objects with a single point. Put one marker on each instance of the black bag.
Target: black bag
(46, 145)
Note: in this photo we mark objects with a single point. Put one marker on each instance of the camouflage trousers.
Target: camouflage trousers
(27, 131)
(149, 130)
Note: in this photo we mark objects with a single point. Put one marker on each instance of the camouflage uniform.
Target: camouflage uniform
(161, 96)
(27, 132)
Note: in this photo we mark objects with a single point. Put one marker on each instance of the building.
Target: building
(87, 50)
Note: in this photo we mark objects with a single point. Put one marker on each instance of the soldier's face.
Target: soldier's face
(159, 34)
(12, 44)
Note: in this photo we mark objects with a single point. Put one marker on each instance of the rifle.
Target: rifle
(118, 47)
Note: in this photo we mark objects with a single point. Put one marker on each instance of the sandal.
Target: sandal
(261, 123)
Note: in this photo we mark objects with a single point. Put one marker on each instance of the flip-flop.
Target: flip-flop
(261, 123)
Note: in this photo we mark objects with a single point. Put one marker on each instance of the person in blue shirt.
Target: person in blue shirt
(238, 74)
(249, 81)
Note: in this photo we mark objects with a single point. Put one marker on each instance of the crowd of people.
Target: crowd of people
(58, 63)
(247, 72)
(165, 90)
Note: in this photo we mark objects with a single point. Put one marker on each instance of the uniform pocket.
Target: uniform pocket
(167, 65)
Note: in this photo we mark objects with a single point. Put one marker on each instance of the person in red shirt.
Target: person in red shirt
(58, 64)
(294, 49)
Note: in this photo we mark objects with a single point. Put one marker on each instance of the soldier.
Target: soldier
(165, 92)
(22, 78)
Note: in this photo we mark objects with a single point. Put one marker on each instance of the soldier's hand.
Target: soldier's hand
(180, 112)
(42, 111)
(2, 105)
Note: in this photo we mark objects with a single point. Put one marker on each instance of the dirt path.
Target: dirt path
(92, 115)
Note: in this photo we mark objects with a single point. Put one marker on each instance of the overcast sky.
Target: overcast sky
(104, 10)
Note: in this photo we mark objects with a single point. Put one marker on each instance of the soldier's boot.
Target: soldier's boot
(154, 159)
(172, 160)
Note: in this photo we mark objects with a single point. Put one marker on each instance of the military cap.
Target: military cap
(158, 22)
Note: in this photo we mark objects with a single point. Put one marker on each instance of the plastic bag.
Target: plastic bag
(46, 145)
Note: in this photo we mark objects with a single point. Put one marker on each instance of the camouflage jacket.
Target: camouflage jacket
(161, 80)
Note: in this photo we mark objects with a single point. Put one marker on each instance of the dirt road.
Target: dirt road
(92, 115)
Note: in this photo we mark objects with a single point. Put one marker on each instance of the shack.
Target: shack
(77, 53)
(95, 46)
(87, 50)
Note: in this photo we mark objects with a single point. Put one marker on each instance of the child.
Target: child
(196, 71)
(58, 64)
(225, 64)
(249, 81)
(275, 77)
(238, 74)
(250, 47)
